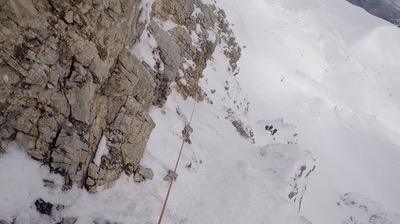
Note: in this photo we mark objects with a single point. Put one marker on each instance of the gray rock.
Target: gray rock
(174, 53)
(43, 207)
(67, 79)
(130, 169)
(68, 220)
(60, 207)
(147, 173)
(171, 175)
(69, 16)
(49, 183)
(142, 174)
(58, 60)
(186, 132)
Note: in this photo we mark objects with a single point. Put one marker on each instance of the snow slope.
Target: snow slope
(331, 69)
(324, 73)
(223, 178)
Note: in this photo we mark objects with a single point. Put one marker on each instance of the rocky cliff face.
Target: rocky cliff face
(68, 77)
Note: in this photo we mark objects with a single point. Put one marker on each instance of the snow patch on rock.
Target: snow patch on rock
(102, 150)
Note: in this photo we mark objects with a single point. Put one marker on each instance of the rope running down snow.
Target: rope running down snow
(176, 166)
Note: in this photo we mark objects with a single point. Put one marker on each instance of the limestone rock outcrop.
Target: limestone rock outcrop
(186, 33)
(68, 78)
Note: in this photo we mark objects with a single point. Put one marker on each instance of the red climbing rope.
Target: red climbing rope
(176, 167)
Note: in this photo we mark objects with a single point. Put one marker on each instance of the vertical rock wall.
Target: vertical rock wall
(67, 78)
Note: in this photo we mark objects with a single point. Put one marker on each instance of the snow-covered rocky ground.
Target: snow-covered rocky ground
(323, 73)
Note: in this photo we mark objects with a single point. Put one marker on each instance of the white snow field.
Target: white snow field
(324, 73)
